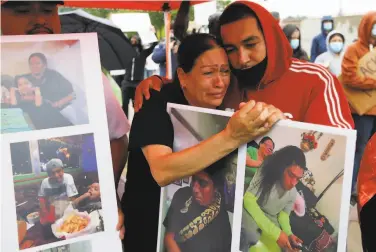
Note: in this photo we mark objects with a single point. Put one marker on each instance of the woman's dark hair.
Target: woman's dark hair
(18, 77)
(139, 42)
(39, 55)
(266, 138)
(236, 12)
(289, 29)
(337, 34)
(274, 166)
(217, 172)
(192, 47)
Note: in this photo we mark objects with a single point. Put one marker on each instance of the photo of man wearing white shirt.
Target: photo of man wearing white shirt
(58, 183)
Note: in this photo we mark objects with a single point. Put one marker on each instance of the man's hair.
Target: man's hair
(237, 12)
(41, 56)
(214, 24)
(275, 14)
(13, 4)
(267, 138)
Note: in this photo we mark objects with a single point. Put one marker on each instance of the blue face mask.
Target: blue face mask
(373, 32)
(336, 47)
(294, 43)
(328, 26)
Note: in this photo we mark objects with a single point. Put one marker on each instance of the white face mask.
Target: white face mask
(373, 32)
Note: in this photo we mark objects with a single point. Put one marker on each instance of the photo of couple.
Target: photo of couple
(40, 89)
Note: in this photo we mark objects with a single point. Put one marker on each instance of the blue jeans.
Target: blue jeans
(366, 127)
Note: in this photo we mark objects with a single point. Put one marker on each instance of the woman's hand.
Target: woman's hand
(284, 242)
(251, 121)
(120, 225)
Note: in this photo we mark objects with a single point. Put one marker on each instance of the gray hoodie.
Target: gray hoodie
(329, 59)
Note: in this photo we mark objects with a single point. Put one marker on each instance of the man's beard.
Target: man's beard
(250, 78)
(38, 29)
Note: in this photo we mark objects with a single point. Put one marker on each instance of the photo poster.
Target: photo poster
(57, 183)
(316, 197)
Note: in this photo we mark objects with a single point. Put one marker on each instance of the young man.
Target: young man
(260, 57)
(57, 183)
(41, 17)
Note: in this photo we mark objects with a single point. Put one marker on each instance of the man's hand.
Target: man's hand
(120, 225)
(283, 242)
(143, 90)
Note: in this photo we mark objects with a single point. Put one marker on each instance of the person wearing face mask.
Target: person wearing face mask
(364, 124)
(319, 42)
(332, 59)
(292, 33)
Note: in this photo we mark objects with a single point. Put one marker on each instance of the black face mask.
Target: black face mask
(251, 77)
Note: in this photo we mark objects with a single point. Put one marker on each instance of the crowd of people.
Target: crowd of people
(241, 65)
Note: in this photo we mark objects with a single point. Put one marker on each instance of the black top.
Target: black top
(367, 225)
(44, 116)
(215, 237)
(53, 86)
(140, 202)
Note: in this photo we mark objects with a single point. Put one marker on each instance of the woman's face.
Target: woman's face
(203, 189)
(336, 38)
(24, 85)
(206, 84)
(291, 177)
(295, 34)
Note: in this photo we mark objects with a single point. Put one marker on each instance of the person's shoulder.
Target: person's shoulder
(293, 193)
(310, 73)
(183, 193)
(68, 177)
(351, 49)
(44, 182)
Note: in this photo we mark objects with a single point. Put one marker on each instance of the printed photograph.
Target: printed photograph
(293, 191)
(57, 189)
(82, 246)
(42, 86)
(197, 215)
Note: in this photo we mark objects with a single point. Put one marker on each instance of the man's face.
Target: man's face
(203, 189)
(291, 177)
(28, 18)
(37, 66)
(244, 43)
(57, 174)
